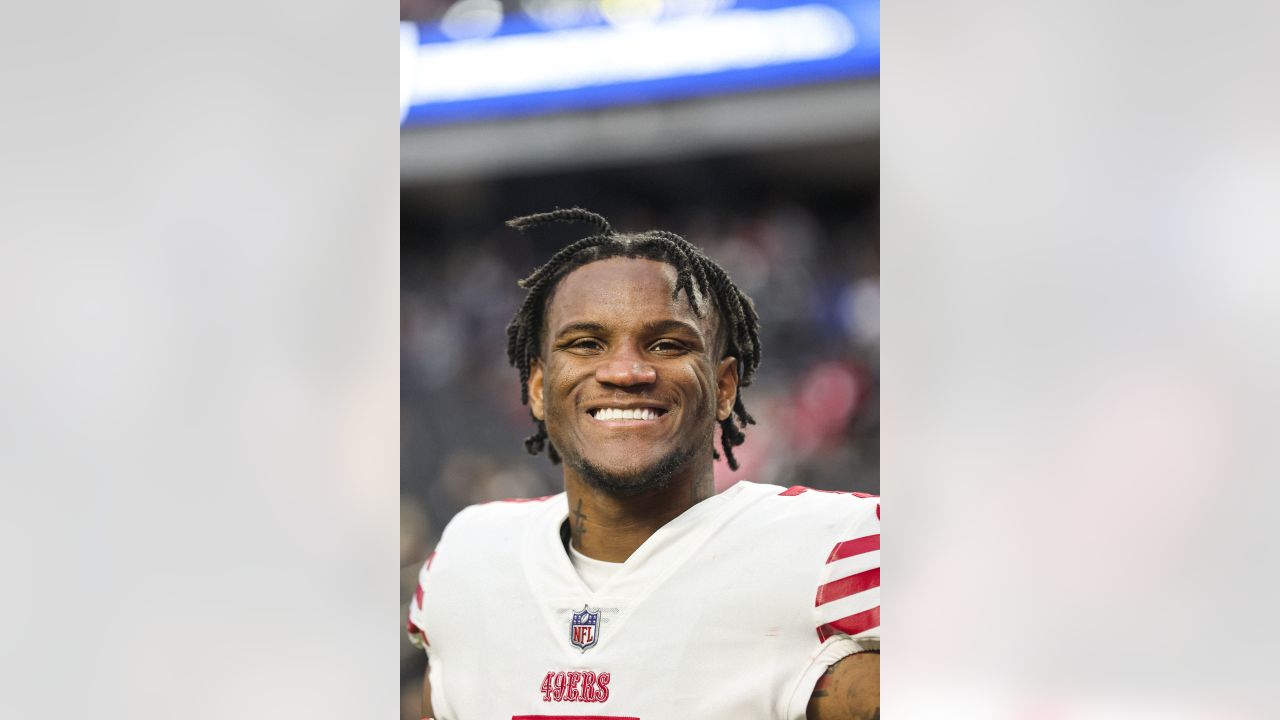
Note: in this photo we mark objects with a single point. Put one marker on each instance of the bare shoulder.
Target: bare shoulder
(848, 690)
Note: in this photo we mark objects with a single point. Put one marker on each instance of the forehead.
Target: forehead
(620, 290)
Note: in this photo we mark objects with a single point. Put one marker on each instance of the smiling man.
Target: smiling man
(638, 592)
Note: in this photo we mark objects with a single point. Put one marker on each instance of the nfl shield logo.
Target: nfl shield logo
(584, 629)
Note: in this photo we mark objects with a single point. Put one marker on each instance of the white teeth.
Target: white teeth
(626, 414)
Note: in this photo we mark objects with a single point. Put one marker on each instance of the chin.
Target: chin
(625, 479)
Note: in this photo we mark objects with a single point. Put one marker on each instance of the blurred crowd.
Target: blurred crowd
(814, 276)
(472, 16)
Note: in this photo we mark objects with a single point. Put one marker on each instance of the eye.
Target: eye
(584, 346)
(669, 347)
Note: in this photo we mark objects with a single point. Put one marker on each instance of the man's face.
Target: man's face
(630, 384)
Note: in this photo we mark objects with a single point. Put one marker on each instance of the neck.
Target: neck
(605, 526)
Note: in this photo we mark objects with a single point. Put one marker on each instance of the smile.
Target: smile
(613, 413)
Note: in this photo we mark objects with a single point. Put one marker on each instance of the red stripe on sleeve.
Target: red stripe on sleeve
(851, 625)
(415, 630)
(793, 490)
(418, 596)
(844, 587)
(857, 546)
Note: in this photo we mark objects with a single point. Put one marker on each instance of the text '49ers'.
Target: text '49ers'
(575, 686)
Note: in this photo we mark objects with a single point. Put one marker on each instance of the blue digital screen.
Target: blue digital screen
(520, 68)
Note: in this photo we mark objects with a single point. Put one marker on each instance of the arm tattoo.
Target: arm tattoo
(848, 696)
(820, 690)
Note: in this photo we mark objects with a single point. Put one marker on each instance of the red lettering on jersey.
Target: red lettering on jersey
(602, 687)
(582, 634)
(574, 686)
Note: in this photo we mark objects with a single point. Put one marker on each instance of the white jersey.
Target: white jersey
(731, 610)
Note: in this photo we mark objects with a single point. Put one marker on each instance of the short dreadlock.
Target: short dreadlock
(739, 321)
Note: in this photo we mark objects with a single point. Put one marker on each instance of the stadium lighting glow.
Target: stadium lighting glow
(468, 19)
(732, 39)
(408, 63)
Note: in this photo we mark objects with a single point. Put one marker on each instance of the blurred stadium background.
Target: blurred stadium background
(749, 127)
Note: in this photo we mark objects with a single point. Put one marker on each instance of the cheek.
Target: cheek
(699, 381)
(560, 383)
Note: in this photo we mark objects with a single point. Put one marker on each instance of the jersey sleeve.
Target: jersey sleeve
(417, 621)
(847, 599)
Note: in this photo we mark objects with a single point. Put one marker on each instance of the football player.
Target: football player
(639, 592)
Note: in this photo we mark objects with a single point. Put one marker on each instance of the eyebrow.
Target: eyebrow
(584, 328)
(656, 327)
(665, 327)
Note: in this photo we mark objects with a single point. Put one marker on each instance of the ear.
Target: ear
(726, 387)
(535, 390)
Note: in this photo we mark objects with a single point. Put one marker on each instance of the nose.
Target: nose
(626, 372)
